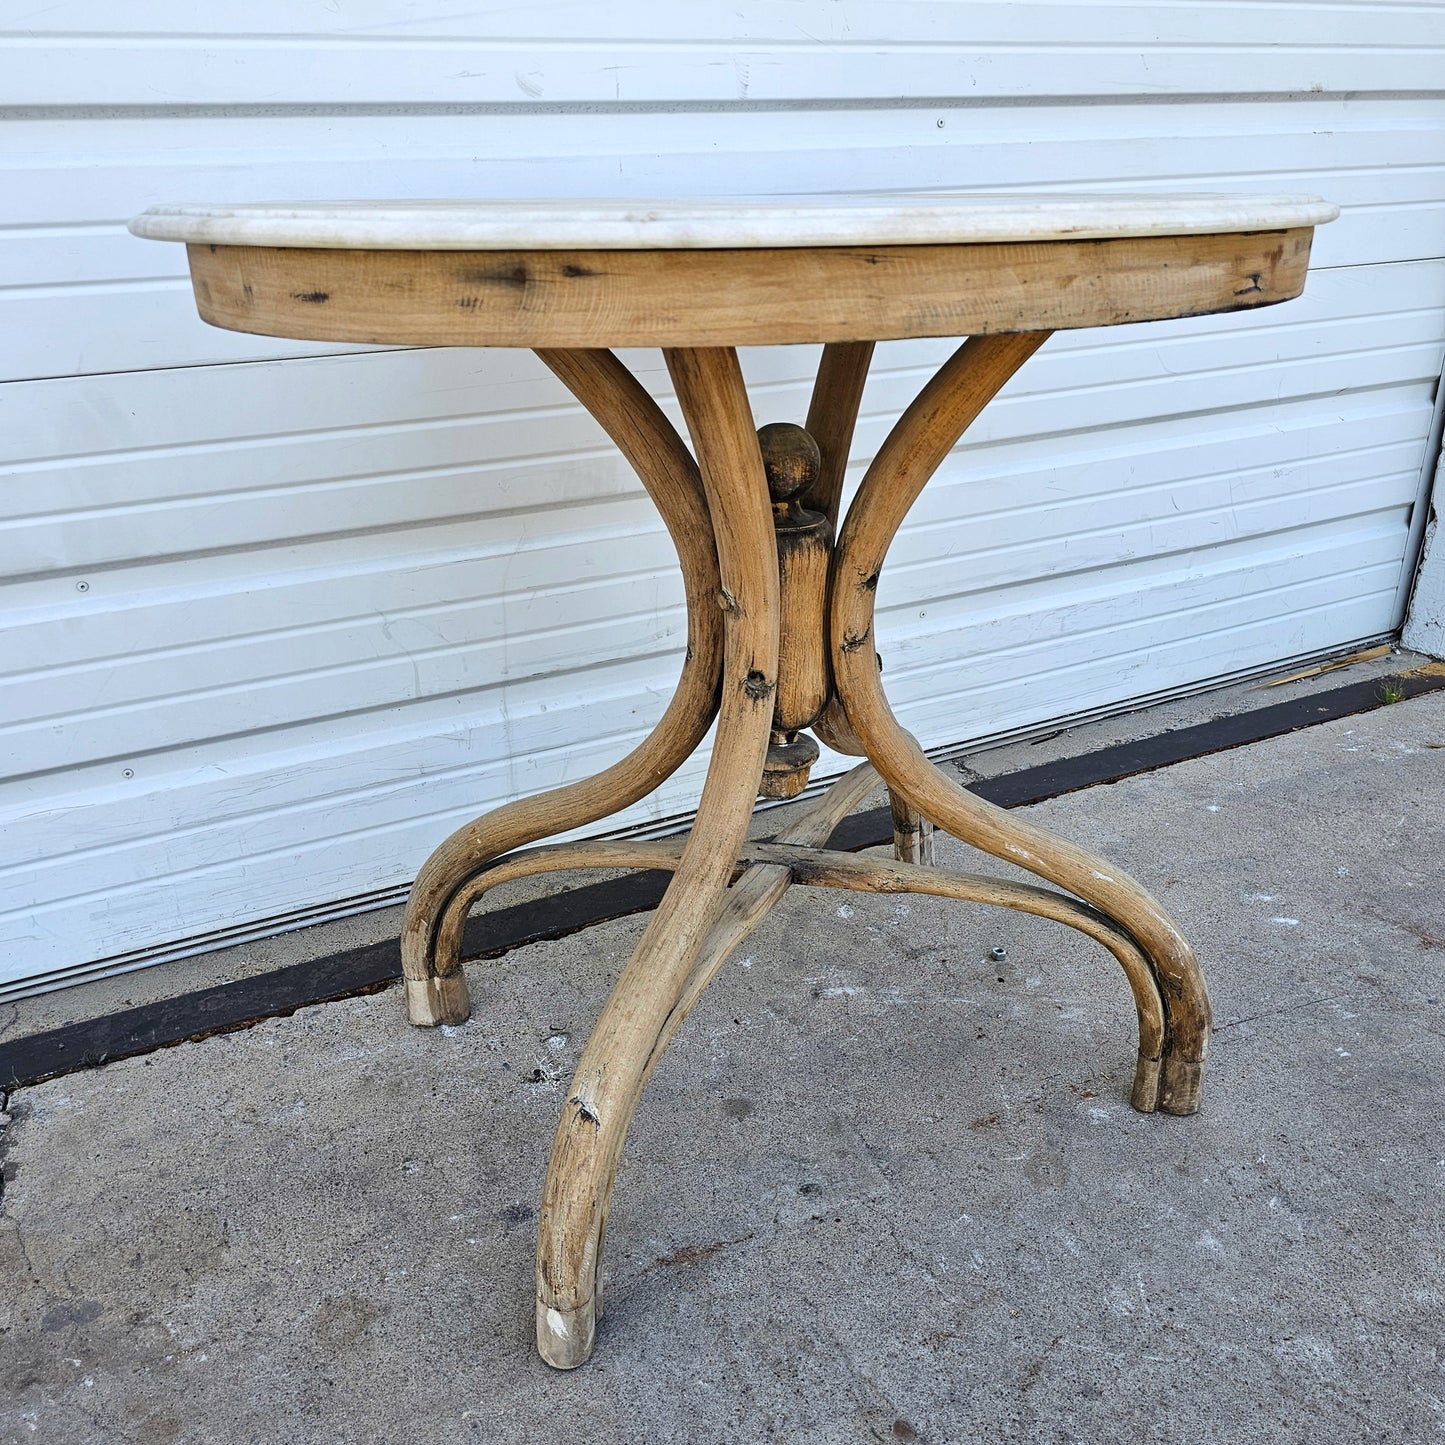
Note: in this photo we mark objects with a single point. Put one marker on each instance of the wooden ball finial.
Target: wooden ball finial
(791, 459)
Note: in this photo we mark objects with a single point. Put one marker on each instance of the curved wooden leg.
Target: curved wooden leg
(912, 832)
(436, 990)
(924, 435)
(643, 1010)
(832, 415)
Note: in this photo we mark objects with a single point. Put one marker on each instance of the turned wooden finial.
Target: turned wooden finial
(792, 462)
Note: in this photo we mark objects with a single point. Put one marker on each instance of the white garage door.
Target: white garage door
(278, 616)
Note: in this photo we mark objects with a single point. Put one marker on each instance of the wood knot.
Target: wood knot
(757, 686)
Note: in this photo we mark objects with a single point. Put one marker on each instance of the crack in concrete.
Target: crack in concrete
(23, 1246)
(1290, 1007)
(693, 1253)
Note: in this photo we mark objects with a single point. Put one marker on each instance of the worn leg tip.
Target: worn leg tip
(435, 1000)
(1148, 1074)
(565, 1336)
(1181, 1085)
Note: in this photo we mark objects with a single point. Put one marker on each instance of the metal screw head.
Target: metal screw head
(82, 586)
(127, 772)
(998, 954)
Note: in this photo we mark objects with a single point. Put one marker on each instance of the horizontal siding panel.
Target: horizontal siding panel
(471, 652)
(36, 71)
(1150, 621)
(171, 514)
(1183, 520)
(577, 25)
(143, 413)
(646, 54)
(432, 751)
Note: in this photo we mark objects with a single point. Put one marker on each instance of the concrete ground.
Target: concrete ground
(883, 1187)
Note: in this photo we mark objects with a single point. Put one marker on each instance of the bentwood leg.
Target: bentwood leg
(912, 832)
(645, 1007)
(923, 436)
(436, 990)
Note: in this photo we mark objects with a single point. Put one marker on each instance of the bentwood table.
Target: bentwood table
(780, 614)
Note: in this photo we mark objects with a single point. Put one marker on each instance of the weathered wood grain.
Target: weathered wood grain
(633, 1028)
(754, 297)
(804, 538)
(912, 832)
(832, 416)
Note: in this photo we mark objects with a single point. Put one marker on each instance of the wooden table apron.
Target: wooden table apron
(780, 616)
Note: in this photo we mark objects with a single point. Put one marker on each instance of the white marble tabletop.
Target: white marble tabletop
(898, 218)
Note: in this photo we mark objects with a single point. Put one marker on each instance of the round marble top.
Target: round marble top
(900, 218)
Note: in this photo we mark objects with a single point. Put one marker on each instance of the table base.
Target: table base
(746, 656)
